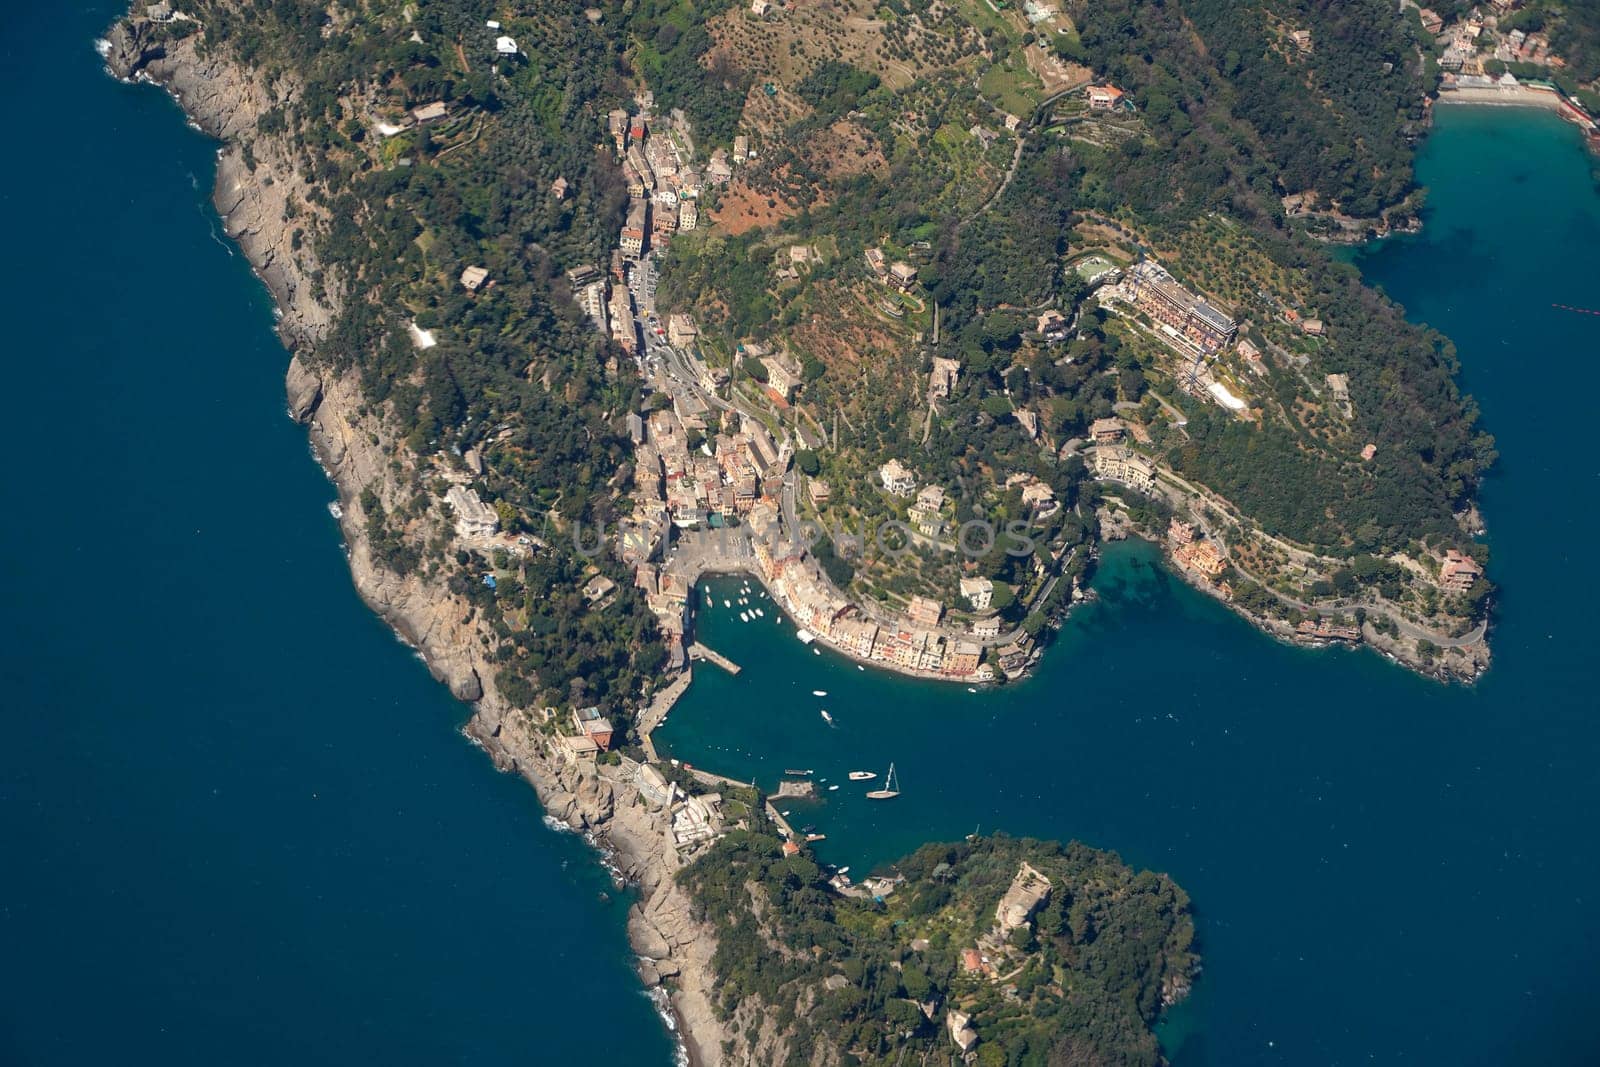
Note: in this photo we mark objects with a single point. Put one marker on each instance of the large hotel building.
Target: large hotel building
(1191, 318)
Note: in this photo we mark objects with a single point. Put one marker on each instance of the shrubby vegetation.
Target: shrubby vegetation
(517, 372)
(1090, 976)
(1231, 116)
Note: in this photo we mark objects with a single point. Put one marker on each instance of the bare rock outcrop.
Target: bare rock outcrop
(304, 389)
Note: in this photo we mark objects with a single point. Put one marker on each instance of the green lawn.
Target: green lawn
(1092, 265)
(1012, 86)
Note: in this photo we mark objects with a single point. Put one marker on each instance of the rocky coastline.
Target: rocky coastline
(252, 189)
(257, 181)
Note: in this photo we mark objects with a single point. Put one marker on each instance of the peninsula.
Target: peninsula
(901, 316)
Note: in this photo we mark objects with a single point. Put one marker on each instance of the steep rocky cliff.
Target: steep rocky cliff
(258, 192)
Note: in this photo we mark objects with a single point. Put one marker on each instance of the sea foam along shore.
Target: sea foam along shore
(224, 101)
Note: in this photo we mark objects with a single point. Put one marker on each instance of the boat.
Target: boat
(819, 692)
(805, 636)
(844, 870)
(816, 651)
(890, 790)
(863, 776)
(727, 603)
(827, 718)
(816, 837)
(799, 774)
(859, 667)
(971, 690)
(744, 616)
(761, 613)
(831, 788)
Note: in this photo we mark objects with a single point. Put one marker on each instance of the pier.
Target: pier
(699, 651)
(720, 781)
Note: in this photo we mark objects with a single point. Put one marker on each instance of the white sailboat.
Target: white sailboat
(891, 787)
(827, 718)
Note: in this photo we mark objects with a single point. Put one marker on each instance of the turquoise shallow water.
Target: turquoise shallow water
(1386, 870)
(237, 822)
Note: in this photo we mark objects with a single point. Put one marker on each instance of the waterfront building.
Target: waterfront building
(594, 726)
(961, 657)
(856, 636)
(653, 786)
(1325, 629)
(1203, 557)
(1014, 655)
(1458, 572)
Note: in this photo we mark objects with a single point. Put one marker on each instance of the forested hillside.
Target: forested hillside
(1081, 981)
(1250, 115)
(1234, 106)
(516, 373)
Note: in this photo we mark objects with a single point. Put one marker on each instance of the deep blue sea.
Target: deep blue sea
(1385, 870)
(238, 824)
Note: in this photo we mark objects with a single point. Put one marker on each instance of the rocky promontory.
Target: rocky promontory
(258, 192)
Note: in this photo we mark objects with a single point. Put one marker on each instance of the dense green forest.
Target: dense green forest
(1247, 117)
(1231, 116)
(1083, 984)
(517, 373)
